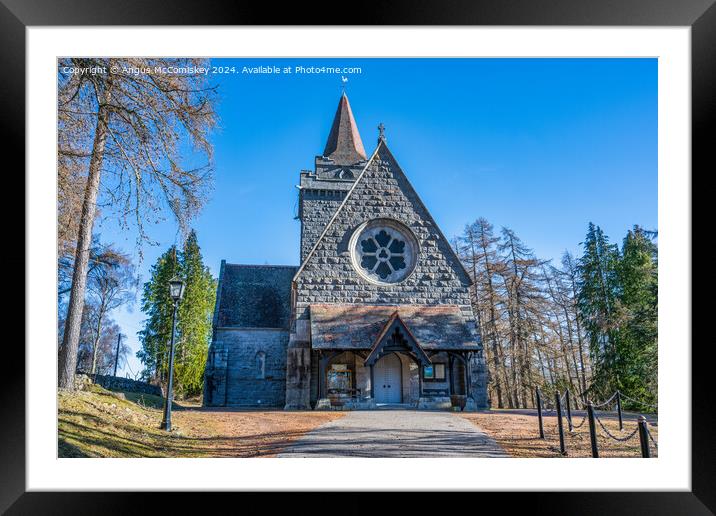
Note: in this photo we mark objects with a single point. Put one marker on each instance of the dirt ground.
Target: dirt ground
(517, 431)
(249, 434)
(102, 424)
(98, 423)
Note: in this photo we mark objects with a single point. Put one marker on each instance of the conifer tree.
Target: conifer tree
(589, 325)
(194, 318)
(638, 277)
(597, 299)
(158, 305)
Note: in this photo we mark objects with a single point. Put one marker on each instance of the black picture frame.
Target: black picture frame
(17, 15)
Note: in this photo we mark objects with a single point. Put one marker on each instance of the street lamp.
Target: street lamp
(176, 291)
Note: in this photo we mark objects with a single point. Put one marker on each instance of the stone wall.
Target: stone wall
(317, 208)
(478, 377)
(298, 377)
(117, 383)
(329, 276)
(247, 368)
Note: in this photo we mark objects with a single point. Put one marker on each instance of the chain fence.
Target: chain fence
(605, 403)
(616, 438)
(646, 439)
(581, 423)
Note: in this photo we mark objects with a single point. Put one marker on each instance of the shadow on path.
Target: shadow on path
(404, 433)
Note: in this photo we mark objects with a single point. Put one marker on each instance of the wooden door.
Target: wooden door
(387, 380)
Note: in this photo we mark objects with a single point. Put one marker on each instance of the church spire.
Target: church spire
(344, 145)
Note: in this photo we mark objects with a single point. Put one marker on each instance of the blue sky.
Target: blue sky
(542, 146)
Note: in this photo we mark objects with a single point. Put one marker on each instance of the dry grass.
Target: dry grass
(518, 433)
(99, 423)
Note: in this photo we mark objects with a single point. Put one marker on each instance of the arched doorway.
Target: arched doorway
(388, 379)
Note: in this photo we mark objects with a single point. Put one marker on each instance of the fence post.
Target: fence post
(539, 412)
(569, 411)
(592, 429)
(562, 449)
(644, 438)
(619, 411)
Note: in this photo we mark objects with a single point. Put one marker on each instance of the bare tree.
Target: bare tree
(106, 349)
(569, 273)
(109, 288)
(143, 117)
(520, 276)
(478, 252)
(528, 316)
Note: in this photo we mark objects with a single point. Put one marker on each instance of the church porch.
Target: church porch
(347, 380)
(374, 356)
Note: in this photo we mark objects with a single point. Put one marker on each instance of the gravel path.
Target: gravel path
(395, 433)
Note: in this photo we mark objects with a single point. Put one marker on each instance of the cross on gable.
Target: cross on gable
(381, 132)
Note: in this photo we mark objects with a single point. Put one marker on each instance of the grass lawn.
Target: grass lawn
(99, 423)
(517, 431)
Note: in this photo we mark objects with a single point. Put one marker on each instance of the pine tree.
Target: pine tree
(597, 300)
(194, 318)
(158, 305)
(638, 303)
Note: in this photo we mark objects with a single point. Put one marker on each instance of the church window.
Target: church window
(384, 251)
(435, 372)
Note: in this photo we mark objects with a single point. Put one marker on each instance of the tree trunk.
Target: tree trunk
(97, 337)
(575, 310)
(70, 339)
(492, 330)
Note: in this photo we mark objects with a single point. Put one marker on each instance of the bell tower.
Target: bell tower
(322, 190)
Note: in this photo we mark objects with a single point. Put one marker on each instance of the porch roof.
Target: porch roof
(349, 326)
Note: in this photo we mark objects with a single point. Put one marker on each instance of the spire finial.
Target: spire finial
(381, 132)
(344, 80)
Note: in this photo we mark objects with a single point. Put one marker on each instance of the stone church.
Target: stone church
(377, 313)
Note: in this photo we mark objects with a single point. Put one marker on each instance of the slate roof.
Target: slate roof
(348, 326)
(255, 296)
(344, 145)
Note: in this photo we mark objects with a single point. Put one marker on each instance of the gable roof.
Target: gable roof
(395, 323)
(254, 296)
(383, 146)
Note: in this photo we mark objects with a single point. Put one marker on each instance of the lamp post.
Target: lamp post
(176, 291)
(116, 355)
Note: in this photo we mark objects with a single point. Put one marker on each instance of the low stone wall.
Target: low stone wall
(116, 383)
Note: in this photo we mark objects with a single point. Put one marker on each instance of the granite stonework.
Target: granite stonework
(255, 367)
(117, 383)
(279, 331)
(246, 365)
(254, 296)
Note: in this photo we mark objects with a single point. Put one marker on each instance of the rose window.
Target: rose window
(384, 251)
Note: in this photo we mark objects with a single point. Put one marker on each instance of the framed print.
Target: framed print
(444, 248)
